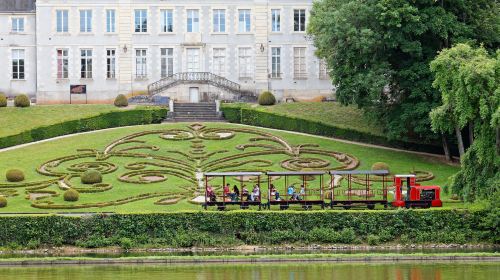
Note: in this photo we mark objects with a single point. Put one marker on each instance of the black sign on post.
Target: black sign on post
(77, 89)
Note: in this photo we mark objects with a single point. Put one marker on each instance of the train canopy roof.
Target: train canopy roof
(359, 172)
(295, 173)
(405, 176)
(232, 174)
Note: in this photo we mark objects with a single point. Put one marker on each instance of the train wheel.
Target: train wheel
(407, 205)
(371, 206)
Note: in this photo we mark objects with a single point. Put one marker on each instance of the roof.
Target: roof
(233, 174)
(295, 173)
(405, 175)
(359, 172)
(18, 6)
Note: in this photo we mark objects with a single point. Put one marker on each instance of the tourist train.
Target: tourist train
(318, 188)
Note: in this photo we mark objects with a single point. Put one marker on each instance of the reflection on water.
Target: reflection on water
(354, 271)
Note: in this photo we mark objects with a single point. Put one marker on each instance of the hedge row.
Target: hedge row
(105, 120)
(255, 117)
(186, 229)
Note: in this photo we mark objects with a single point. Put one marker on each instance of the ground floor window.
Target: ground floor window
(245, 62)
(275, 62)
(193, 60)
(323, 69)
(299, 63)
(86, 64)
(167, 62)
(18, 64)
(110, 63)
(219, 63)
(141, 63)
(62, 63)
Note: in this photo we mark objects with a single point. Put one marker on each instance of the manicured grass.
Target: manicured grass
(16, 120)
(31, 157)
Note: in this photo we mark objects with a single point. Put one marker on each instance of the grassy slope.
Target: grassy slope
(30, 157)
(16, 120)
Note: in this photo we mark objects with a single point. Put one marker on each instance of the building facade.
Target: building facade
(122, 46)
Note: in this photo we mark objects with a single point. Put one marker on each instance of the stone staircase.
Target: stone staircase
(199, 112)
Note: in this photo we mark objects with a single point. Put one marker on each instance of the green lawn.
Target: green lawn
(174, 161)
(16, 120)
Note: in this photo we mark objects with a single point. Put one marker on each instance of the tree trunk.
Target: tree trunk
(498, 140)
(471, 133)
(461, 149)
(446, 149)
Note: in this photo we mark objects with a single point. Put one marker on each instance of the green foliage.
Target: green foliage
(126, 243)
(22, 100)
(373, 240)
(91, 177)
(14, 175)
(71, 195)
(3, 100)
(121, 101)
(105, 120)
(380, 166)
(266, 98)
(3, 202)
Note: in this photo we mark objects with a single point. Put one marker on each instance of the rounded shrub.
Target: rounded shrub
(22, 100)
(121, 101)
(3, 100)
(3, 202)
(14, 175)
(266, 99)
(380, 166)
(71, 195)
(91, 177)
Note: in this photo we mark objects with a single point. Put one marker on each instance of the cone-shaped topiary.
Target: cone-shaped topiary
(22, 100)
(91, 177)
(71, 195)
(3, 100)
(121, 101)
(266, 98)
(14, 175)
(380, 166)
(3, 202)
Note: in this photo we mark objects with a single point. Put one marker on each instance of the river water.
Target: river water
(341, 271)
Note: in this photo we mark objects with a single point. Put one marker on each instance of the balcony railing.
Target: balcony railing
(192, 77)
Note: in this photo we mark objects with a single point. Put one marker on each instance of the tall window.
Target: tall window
(299, 20)
(219, 63)
(299, 63)
(167, 62)
(110, 21)
(62, 21)
(275, 20)
(86, 64)
(275, 62)
(167, 21)
(141, 21)
(110, 63)
(193, 60)
(219, 20)
(323, 69)
(85, 20)
(18, 24)
(62, 63)
(245, 62)
(141, 67)
(244, 21)
(17, 64)
(193, 21)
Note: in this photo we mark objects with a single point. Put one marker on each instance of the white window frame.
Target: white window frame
(86, 63)
(219, 20)
(276, 62)
(141, 63)
(167, 62)
(18, 59)
(62, 20)
(18, 24)
(141, 26)
(192, 20)
(219, 61)
(62, 63)
(323, 70)
(193, 65)
(244, 20)
(275, 20)
(167, 20)
(301, 26)
(111, 63)
(300, 63)
(110, 21)
(86, 14)
(245, 63)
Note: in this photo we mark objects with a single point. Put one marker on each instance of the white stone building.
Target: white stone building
(122, 46)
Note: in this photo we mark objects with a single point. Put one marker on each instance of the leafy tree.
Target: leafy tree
(378, 53)
(469, 81)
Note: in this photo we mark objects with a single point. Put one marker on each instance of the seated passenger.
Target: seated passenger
(255, 193)
(211, 194)
(274, 193)
(235, 195)
(244, 193)
(226, 192)
(291, 192)
(302, 193)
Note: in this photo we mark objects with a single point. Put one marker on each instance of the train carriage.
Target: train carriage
(217, 196)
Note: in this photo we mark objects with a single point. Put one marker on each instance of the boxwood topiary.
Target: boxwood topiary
(380, 166)
(22, 100)
(267, 98)
(3, 202)
(71, 195)
(3, 100)
(121, 101)
(91, 177)
(14, 175)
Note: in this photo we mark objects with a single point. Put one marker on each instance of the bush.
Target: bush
(3, 202)
(14, 175)
(121, 101)
(373, 240)
(266, 98)
(71, 195)
(91, 177)
(380, 166)
(126, 243)
(22, 100)
(3, 100)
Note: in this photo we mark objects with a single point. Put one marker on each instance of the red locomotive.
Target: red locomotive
(415, 194)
